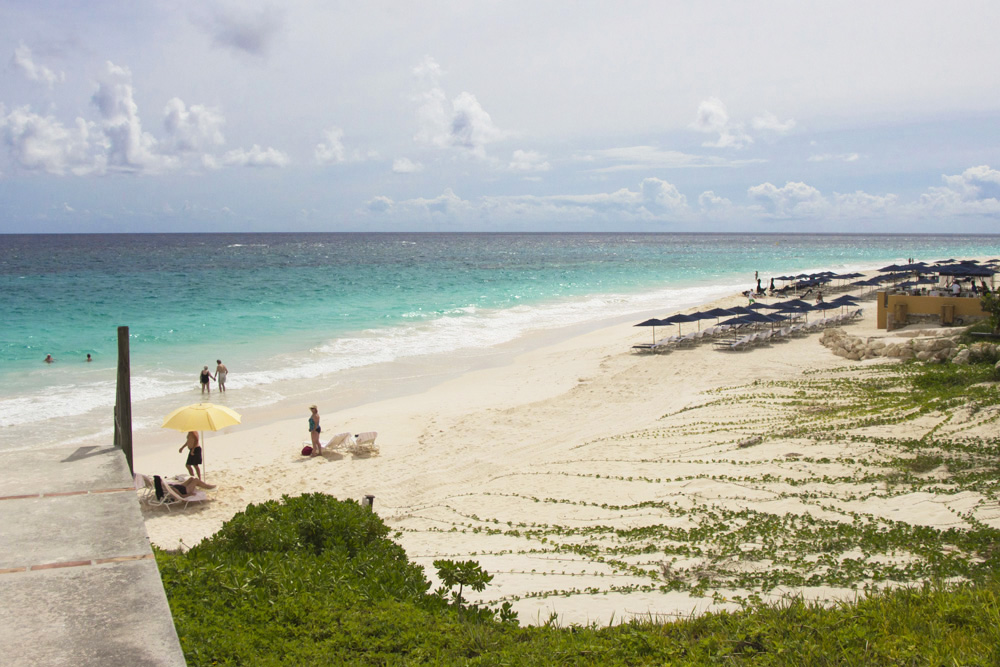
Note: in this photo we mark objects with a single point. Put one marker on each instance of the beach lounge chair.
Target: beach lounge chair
(339, 441)
(176, 498)
(162, 494)
(144, 485)
(364, 443)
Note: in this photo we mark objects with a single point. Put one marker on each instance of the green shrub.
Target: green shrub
(990, 303)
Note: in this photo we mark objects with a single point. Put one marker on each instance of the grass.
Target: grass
(313, 580)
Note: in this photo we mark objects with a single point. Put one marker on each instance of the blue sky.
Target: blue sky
(494, 116)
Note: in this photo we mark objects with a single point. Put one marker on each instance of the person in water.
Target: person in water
(314, 430)
(205, 376)
(49, 359)
(220, 373)
(194, 458)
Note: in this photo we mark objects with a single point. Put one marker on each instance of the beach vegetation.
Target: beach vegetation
(314, 580)
(990, 303)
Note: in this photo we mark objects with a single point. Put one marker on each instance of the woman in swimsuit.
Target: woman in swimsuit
(314, 430)
(205, 376)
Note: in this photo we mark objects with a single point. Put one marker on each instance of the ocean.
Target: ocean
(346, 316)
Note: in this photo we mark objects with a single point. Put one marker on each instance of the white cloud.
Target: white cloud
(331, 150)
(834, 157)
(255, 157)
(713, 118)
(975, 191)
(445, 203)
(860, 204)
(403, 165)
(793, 200)
(709, 201)
(24, 63)
(192, 129)
(129, 148)
(769, 122)
(655, 199)
(659, 196)
(528, 161)
(238, 29)
(379, 204)
(42, 143)
(631, 158)
(462, 123)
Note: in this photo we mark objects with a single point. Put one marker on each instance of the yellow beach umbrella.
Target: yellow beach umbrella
(201, 417)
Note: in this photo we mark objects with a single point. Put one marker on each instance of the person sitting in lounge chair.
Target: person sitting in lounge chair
(189, 486)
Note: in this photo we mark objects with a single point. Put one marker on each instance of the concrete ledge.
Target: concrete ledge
(78, 582)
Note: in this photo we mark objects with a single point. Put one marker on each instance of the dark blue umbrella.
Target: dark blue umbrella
(678, 319)
(719, 312)
(651, 323)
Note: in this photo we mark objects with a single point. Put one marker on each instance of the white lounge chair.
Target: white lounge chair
(364, 443)
(144, 485)
(196, 497)
(340, 440)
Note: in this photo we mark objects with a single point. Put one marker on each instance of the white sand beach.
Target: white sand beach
(564, 434)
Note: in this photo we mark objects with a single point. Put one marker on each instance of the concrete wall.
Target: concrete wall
(893, 307)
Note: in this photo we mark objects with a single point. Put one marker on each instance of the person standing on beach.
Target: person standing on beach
(220, 373)
(314, 430)
(194, 458)
(206, 375)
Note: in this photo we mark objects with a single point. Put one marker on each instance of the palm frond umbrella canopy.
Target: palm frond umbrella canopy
(201, 417)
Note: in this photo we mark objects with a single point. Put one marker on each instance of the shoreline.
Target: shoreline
(472, 442)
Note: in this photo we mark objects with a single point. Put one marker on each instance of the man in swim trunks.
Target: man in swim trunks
(193, 462)
(205, 376)
(220, 373)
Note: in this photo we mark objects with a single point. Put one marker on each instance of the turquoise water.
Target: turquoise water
(282, 308)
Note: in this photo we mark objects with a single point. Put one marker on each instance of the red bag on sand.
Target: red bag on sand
(307, 450)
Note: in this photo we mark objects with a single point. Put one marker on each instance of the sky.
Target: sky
(488, 115)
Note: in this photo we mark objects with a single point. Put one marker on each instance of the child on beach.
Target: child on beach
(193, 462)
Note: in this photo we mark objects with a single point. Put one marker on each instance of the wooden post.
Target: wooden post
(123, 400)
